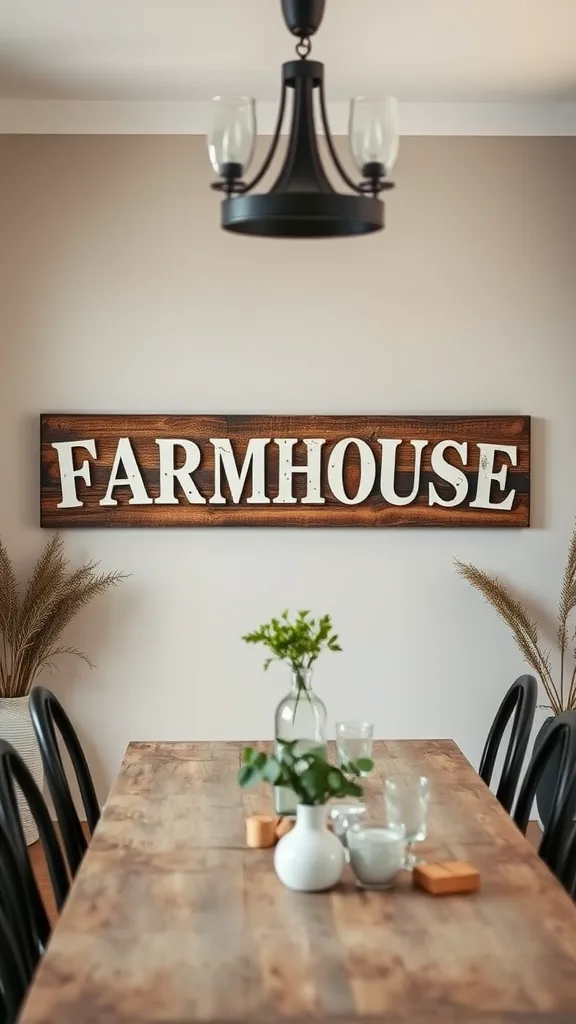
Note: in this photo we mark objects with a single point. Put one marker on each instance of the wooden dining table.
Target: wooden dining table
(172, 920)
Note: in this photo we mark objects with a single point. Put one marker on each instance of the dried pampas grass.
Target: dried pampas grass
(524, 629)
(33, 617)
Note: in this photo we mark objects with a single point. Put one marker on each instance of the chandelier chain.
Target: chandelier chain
(303, 47)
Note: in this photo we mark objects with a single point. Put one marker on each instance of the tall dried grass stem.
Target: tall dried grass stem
(34, 616)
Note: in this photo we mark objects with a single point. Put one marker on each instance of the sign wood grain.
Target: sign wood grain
(285, 471)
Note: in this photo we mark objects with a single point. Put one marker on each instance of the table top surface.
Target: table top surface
(171, 919)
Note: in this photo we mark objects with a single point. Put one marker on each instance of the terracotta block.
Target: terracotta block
(446, 878)
(260, 831)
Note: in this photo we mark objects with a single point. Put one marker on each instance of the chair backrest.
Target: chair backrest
(14, 772)
(567, 866)
(560, 737)
(562, 842)
(14, 906)
(14, 980)
(19, 948)
(521, 698)
(48, 715)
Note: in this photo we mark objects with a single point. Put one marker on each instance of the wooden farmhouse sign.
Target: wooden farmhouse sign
(285, 471)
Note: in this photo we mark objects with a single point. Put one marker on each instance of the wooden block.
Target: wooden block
(284, 826)
(446, 878)
(260, 831)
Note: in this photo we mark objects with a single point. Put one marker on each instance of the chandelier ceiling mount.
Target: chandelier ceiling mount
(303, 17)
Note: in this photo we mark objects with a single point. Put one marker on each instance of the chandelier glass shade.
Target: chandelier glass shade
(302, 202)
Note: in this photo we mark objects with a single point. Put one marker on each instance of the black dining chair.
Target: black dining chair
(520, 700)
(562, 853)
(48, 718)
(14, 907)
(14, 980)
(560, 739)
(567, 867)
(14, 772)
(19, 952)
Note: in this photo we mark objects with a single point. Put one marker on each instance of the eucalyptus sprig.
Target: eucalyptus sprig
(309, 775)
(299, 642)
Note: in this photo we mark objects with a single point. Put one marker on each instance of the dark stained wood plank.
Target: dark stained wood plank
(374, 510)
(171, 919)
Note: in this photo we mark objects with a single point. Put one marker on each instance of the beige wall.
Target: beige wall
(119, 293)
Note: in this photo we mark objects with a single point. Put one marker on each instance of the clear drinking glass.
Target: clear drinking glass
(406, 802)
(353, 740)
(232, 134)
(343, 816)
(374, 131)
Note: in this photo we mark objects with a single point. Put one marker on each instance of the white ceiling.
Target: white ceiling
(419, 50)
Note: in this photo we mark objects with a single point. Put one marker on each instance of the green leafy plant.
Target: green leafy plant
(562, 694)
(309, 775)
(299, 642)
(34, 616)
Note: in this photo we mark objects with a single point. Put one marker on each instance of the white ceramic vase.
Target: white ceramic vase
(16, 727)
(310, 857)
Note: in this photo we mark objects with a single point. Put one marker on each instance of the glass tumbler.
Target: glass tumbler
(343, 816)
(406, 803)
(353, 740)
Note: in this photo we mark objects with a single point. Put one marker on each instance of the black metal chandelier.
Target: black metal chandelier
(302, 202)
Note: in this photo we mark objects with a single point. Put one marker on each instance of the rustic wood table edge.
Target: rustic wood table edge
(172, 921)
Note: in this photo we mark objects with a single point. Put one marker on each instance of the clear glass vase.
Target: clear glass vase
(301, 716)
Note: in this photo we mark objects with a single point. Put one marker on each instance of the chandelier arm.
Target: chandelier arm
(332, 148)
(273, 145)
